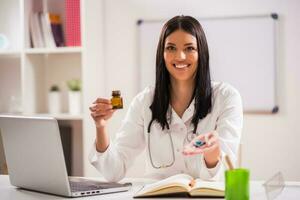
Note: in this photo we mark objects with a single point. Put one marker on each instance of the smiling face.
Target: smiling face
(181, 55)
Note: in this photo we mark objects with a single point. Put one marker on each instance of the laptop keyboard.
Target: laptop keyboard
(88, 185)
(83, 186)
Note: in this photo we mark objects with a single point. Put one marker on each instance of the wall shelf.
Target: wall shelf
(9, 53)
(59, 50)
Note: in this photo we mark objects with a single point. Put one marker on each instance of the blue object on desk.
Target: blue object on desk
(199, 143)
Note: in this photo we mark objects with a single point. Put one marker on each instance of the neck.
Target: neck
(182, 92)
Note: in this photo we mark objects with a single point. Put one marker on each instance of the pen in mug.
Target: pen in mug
(228, 164)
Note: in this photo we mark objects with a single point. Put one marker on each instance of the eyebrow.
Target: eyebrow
(170, 43)
(187, 44)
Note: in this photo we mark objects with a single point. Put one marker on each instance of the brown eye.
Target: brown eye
(170, 48)
(190, 49)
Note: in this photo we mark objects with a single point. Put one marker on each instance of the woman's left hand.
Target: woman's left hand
(210, 150)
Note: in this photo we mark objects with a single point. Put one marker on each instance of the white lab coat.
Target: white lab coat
(226, 118)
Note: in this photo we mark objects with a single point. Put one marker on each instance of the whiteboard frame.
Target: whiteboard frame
(275, 18)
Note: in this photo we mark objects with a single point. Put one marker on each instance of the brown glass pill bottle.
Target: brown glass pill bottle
(116, 100)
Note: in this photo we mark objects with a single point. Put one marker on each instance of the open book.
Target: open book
(182, 184)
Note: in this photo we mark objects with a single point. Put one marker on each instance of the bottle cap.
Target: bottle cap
(116, 93)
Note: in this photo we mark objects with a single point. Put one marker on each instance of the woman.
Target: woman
(184, 106)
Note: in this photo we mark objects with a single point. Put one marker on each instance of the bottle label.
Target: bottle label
(117, 103)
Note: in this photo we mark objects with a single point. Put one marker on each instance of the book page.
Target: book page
(179, 180)
(208, 188)
(217, 185)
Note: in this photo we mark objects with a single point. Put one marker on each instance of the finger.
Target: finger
(214, 143)
(101, 100)
(192, 152)
(98, 107)
(206, 148)
(192, 146)
(213, 138)
(94, 115)
(112, 111)
(109, 115)
(203, 137)
(210, 148)
(103, 113)
(101, 106)
(201, 150)
(209, 139)
(100, 114)
(192, 149)
(95, 118)
(93, 108)
(208, 136)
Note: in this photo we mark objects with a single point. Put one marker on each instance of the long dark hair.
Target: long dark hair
(202, 91)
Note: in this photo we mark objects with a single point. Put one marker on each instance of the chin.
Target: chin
(182, 78)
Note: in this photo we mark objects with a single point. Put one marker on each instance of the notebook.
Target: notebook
(182, 184)
(35, 159)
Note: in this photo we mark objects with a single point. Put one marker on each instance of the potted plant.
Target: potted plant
(54, 101)
(74, 95)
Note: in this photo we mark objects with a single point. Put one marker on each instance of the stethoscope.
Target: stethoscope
(188, 139)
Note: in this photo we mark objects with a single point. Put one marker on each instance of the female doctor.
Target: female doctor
(184, 106)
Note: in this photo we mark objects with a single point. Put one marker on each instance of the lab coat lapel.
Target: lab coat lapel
(173, 118)
(188, 113)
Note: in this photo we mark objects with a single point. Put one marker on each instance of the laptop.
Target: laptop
(35, 159)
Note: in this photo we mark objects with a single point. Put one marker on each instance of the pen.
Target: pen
(228, 162)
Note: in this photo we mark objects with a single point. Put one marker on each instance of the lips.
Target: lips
(181, 66)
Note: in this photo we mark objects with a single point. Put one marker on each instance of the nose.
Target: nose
(180, 55)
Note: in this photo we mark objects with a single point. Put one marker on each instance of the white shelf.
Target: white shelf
(58, 50)
(10, 53)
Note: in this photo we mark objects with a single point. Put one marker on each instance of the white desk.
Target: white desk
(9, 192)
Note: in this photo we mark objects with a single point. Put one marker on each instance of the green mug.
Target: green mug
(237, 184)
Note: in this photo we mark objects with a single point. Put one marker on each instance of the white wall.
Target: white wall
(270, 142)
(93, 71)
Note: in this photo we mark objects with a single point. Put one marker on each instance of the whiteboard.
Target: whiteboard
(242, 53)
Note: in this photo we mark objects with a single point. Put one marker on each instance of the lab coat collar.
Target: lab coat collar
(173, 118)
(188, 113)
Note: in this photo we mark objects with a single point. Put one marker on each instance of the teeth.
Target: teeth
(180, 66)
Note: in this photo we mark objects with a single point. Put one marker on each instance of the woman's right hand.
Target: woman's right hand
(101, 111)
